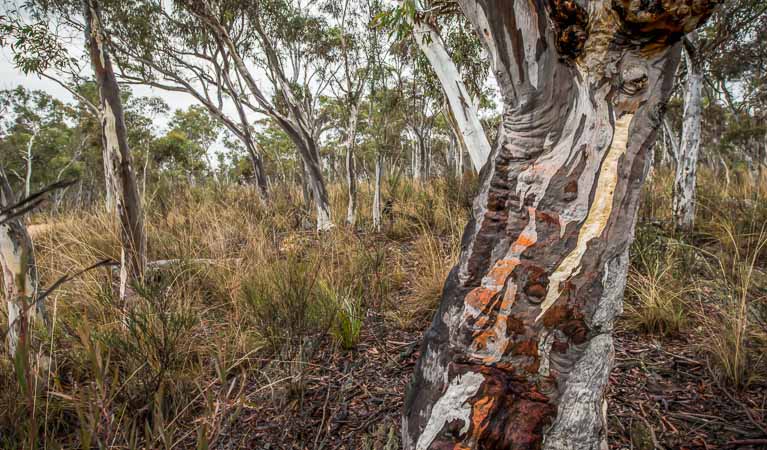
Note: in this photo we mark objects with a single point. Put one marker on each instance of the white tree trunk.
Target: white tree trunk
(28, 158)
(689, 147)
(470, 132)
(110, 184)
(377, 194)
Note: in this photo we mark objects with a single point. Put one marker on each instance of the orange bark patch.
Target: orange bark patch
(526, 348)
(480, 297)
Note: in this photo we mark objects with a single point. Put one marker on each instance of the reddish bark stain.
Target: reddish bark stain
(526, 348)
(556, 315)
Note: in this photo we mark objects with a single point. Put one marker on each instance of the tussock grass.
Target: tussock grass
(658, 290)
(714, 276)
(249, 292)
(246, 295)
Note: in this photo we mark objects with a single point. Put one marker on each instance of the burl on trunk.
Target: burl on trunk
(519, 352)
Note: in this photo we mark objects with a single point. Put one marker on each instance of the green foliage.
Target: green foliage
(349, 318)
(34, 48)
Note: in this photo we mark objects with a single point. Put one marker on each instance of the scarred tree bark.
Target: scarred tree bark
(683, 203)
(519, 352)
(121, 179)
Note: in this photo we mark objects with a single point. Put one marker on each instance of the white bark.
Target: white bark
(687, 162)
(28, 158)
(118, 167)
(470, 133)
(109, 182)
(377, 195)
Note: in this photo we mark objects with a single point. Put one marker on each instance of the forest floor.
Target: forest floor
(661, 395)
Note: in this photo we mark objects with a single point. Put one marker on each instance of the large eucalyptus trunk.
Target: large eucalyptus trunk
(520, 349)
(121, 179)
(464, 119)
(17, 262)
(377, 194)
(683, 204)
(351, 176)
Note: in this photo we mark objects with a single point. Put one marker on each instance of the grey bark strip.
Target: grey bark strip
(351, 175)
(377, 193)
(519, 351)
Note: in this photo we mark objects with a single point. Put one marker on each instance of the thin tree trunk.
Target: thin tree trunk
(305, 186)
(144, 174)
(110, 184)
(377, 194)
(673, 140)
(726, 171)
(117, 162)
(28, 158)
(246, 136)
(689, 148)
(421, 157)
(351, 176)
(520, 349)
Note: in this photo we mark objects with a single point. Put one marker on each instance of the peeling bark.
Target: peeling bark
(121, 179)
(683, 203)
(520, 349)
